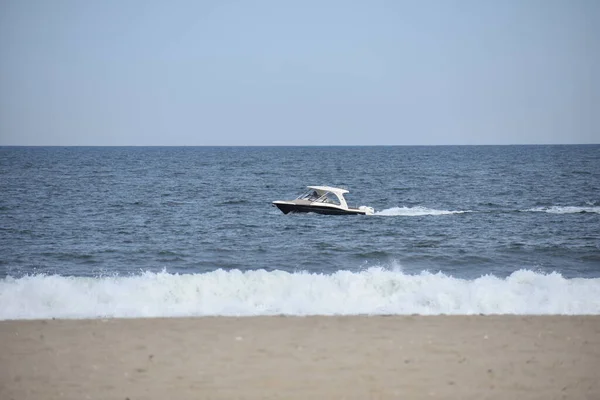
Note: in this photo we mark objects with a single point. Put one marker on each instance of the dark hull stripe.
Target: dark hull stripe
(295, 208)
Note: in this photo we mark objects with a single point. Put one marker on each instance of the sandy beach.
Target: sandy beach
(358, 357)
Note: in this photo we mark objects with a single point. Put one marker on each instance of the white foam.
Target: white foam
(415, 211)
(566, 209)
(235, 293)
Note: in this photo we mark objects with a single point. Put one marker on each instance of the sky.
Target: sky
(322, 72)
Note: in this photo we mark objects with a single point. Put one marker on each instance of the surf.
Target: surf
(373, 291)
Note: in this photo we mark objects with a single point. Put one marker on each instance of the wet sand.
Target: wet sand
(358, 357)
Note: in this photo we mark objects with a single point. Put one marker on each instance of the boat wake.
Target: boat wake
(415, 211)
(422, 211)
(566, 209)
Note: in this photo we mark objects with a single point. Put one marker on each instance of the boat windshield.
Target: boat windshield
(329, 198)
(311, 195)
(326, 197)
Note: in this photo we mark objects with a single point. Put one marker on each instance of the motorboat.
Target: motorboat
(321, 200)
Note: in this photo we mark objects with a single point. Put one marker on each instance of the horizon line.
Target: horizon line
(301, 145)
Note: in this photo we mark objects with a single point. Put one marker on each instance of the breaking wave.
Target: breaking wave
(415, 211)
(373, 291)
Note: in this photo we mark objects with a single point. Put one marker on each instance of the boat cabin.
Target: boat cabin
(325, 194)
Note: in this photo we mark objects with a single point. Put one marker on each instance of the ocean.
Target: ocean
(101, 232)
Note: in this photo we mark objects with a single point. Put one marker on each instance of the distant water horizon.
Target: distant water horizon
(298, 145)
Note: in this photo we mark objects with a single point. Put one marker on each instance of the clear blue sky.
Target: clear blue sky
(134, 72)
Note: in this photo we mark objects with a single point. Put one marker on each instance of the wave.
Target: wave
(566, 209)
(234, 202)
(415, 211)
(374, 291)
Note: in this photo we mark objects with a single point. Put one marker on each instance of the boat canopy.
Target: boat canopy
(322, 191)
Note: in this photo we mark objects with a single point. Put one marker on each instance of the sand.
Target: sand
(360, 357)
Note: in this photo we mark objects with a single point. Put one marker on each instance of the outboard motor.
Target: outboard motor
(367, 210)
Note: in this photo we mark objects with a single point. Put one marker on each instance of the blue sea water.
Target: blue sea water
(166, 231)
